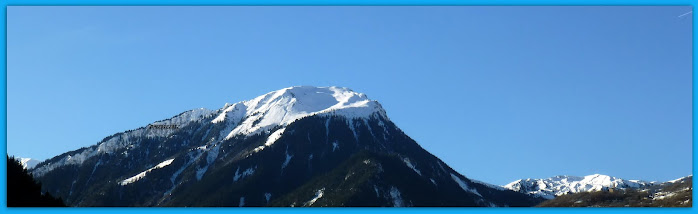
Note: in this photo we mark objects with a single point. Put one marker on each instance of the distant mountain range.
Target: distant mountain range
(675, 193)
(548, 188)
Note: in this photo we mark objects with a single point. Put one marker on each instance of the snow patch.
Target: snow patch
(317, 196)
(71, 187)
(663, 195)
(464, 186)
(142, 174)
(353, 130)
(247, 172)
(489, 185)
(397, 197)
(99, 162)
(409, 164)
(259, 148)
(267, 196)
(327, 129)
(180, 170)
(288, 159)
(369, 128)
(210, 158)
(213, 154)
(274, 136)
(385, 129)
(271, 139)
(335, 146)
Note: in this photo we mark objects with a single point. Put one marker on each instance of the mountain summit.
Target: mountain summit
(282, 107)
(298, 146)
(28, 163)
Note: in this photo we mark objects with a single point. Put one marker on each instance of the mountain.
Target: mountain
(298, 146)
(675, 193)
(28, 163)
(549, 188)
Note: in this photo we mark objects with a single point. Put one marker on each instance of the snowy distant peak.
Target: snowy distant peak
(560, 185)
(282, 107)
(28, 163)
(681, 179)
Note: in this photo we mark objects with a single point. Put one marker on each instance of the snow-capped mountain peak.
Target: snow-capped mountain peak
(276, 108)
(28, 163)
(275, 144)
(559, 185)
(282, 107)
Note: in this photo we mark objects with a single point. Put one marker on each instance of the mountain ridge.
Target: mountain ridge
(227, 113)
(328, 145)
(674, 193)
(549, 188)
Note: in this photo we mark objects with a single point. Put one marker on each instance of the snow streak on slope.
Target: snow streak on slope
(271, 140)
(317, 196)
(488, 184)
(396, 197)
(142, 174)
(559, 185)
(464, 186)
(411, 166)
(247, 172)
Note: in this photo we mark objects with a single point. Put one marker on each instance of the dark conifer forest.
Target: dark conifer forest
(24, 191)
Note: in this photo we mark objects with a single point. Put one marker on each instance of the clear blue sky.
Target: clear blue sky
(498, 93)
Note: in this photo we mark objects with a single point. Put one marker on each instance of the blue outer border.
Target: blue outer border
(349, 2)
(3, 164)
